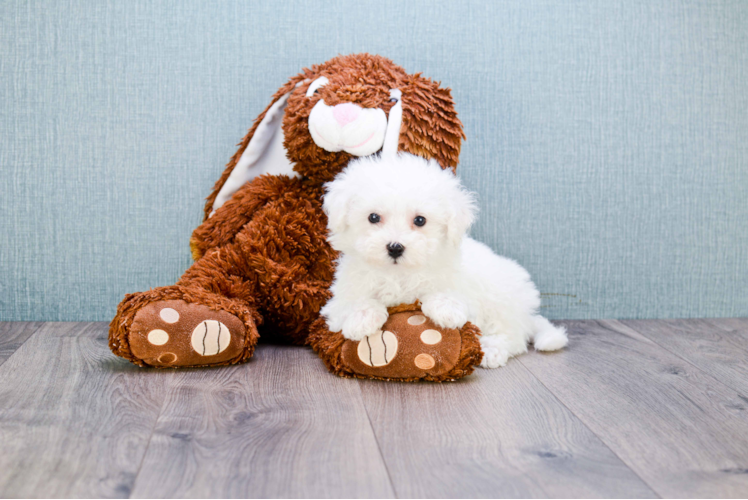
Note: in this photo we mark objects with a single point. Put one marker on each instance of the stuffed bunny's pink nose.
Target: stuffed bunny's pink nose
(345, 113)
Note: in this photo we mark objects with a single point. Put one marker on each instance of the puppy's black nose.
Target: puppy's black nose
(395, 250)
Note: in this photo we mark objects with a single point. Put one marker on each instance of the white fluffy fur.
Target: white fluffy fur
(456, 278)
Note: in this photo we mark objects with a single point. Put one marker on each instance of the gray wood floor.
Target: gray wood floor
(630, 409)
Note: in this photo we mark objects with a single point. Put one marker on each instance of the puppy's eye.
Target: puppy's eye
(374, 218)
(419, 221)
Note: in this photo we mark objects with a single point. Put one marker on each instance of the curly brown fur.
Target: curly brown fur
(279, 262)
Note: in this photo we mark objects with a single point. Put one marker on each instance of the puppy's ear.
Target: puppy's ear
(337, 202)
(463, 209)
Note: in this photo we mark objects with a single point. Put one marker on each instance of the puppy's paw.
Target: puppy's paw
(495, 353)
(445, 311)
(364, 322)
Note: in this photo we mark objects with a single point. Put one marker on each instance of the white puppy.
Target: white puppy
(400, 223)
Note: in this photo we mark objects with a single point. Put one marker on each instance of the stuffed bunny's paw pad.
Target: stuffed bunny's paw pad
(409, 346)
(177, 333)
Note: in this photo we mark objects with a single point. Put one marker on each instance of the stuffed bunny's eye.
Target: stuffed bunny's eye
(316, 85)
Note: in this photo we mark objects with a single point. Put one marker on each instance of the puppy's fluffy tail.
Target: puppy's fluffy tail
(547, 336)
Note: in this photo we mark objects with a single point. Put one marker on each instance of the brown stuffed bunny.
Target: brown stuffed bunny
(262, 261)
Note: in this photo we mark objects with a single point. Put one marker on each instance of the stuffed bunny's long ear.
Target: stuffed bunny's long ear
(431, 128)
(264, 154)
(394, 123)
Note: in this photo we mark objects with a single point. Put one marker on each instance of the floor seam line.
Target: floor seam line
(150, 438)
(376, 440)
(581, 421)
(36, 330)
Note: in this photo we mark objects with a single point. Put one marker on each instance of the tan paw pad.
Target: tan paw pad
(167, 358)
(424, 362)
(169, 315)
(378, 349)
(210, 337)
(431, 337)
(417, 319)
(158, 337)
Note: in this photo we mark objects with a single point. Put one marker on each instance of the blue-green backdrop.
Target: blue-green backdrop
(608, 140)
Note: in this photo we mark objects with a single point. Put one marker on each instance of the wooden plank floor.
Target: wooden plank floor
(631, 409)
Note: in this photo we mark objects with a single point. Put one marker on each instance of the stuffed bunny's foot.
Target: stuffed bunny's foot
(177, 333)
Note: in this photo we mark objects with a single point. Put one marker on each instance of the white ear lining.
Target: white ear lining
(265, 154)
(394, 122)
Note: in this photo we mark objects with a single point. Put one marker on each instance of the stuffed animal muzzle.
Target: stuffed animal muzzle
(349, 127)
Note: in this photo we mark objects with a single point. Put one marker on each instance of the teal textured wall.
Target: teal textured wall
(608, 140)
